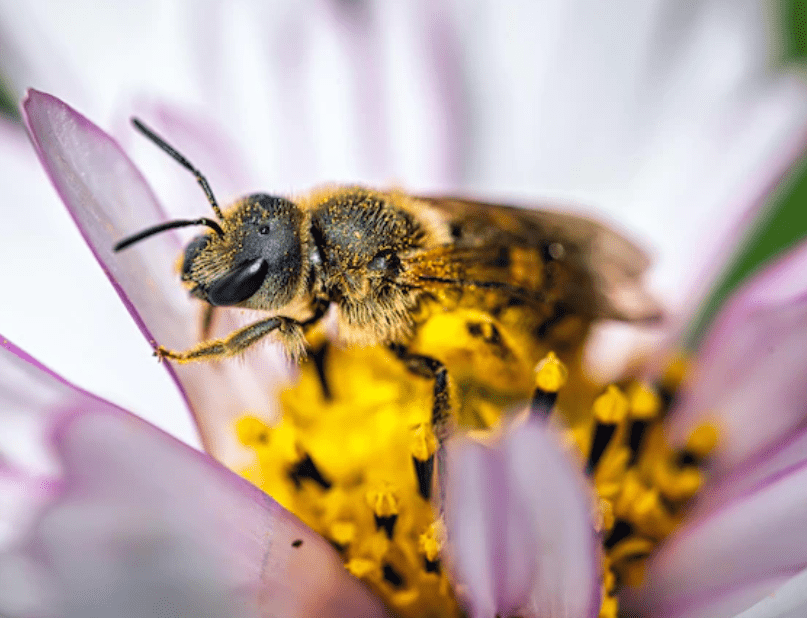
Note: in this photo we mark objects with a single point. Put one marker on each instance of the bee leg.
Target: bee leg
(289, 330)
(318, 357)
(206, 326)
(428, 367)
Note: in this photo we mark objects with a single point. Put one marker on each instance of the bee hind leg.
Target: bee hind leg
(432, 368)
(290, 332)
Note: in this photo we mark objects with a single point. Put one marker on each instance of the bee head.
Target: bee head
(260, 250)
(255, 247)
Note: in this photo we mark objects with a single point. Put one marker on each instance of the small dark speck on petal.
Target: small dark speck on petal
(297, 543)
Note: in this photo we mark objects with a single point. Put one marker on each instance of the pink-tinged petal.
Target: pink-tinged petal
(519, 527)
(138, 524)
(789, 601)
(109, 199)
(751, 372)
(751, 543)
(59, 305)
(725, 603)
(781, 457)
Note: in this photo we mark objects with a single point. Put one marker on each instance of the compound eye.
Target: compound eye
(239, 284)
(192, 251)
(385, 261)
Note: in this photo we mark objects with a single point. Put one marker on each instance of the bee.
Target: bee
(378, 257)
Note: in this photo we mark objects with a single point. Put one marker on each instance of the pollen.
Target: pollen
(550, 374)
(355, 454)
(611, 407)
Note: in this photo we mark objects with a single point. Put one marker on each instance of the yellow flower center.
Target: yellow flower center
(353, 453)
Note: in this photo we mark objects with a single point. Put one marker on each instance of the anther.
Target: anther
(384, 504)
(700, 444)
(609, 409)
(631, 548)
(644, 402)
(252, 431)
(342, 534)
(362, 568)
(550, 376)
(424, 445)
(430, 544)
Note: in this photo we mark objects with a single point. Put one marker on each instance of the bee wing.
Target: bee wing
(607, 268)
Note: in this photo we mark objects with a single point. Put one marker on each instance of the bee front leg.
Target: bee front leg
(290, 332)
(428, 367)
(206, 325)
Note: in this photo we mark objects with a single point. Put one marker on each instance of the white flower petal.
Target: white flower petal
(60, 306)
(748, 543)
(781, 457)
(751, 374)
(666, 115)
(789, 601)
(109, 199)
(519, 529)
(138, 524)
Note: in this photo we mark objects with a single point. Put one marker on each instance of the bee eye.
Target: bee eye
(385, 261)
(239, 284)
(264, 230)
(192, 251)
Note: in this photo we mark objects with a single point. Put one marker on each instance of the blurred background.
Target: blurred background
(684, 124)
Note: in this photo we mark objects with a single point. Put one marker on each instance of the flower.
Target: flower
(251, 390)
(68, 143)
(627, 109)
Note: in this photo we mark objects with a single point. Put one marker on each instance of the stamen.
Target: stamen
(252, 431)
(611, 407)
(360, 413)
(430, 543)
(392, 576)
(621, 530)
(385, 505)
(425, 473)
(318, 356)
(550, 376)
(637, 432)
(424, 445)
(701, 442)
(342, 533)
(645, 404)
(306, 469)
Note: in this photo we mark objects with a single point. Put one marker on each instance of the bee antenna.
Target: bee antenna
(126, 242)
(182, 161)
